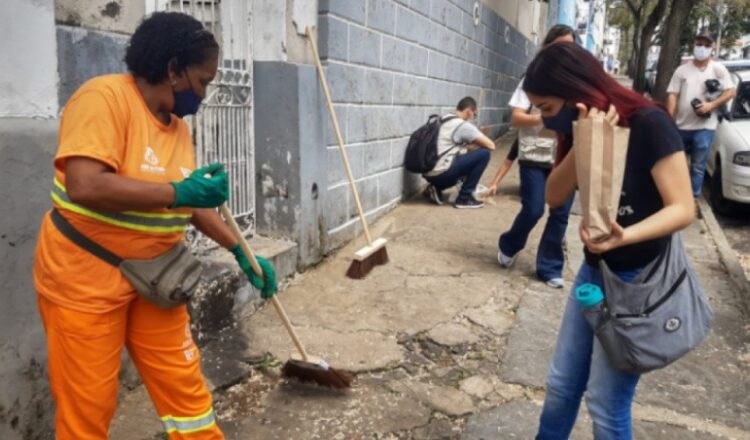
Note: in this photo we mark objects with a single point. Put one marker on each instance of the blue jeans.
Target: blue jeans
(549, 257)
(580, 365)
(697, 145)
(470, 166)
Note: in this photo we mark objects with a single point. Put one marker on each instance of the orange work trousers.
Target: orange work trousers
(84, 361)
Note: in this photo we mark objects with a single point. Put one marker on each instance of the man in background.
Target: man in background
(694, 113)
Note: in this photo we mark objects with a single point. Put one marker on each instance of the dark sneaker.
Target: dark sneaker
(433, 195)
(468, 202)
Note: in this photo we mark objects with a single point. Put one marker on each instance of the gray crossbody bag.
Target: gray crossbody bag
(656, 318)
(167, 280)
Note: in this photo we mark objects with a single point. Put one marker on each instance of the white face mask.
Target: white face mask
(701, 52)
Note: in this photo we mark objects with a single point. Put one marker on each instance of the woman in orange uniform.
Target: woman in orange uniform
(125, 178)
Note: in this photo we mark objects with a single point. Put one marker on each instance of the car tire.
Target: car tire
(720, 204)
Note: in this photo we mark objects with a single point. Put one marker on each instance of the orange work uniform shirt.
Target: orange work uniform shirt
(107, 120)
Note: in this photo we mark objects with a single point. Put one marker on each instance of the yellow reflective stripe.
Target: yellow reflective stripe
(189, 431)
(189, 418)
(158, 215)
(171, 215)
(186, 425)
(104, 219)
(139, 221)
(59, 184)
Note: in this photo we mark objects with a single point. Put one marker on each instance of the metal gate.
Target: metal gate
(223, 128)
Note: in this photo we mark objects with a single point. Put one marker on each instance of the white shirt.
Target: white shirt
(689, 82)
(519, 98)
(454, 134)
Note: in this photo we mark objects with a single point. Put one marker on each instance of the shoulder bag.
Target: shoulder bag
(656, 318)
(168, 280)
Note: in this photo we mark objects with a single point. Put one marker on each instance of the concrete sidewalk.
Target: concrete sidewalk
(450, 346)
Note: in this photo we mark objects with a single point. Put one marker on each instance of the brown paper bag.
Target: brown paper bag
(601, 151)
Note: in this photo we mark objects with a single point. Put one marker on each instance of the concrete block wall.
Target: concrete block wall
(92, 36)
(392, 63)
(84, 54)
(27, 146)
(28, 86)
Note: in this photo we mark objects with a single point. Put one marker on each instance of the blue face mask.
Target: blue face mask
(186, 102)
(562, 121)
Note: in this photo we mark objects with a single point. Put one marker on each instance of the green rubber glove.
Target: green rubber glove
(267, 283)
(202, 191)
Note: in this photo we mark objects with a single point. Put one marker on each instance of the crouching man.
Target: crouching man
(464, 153)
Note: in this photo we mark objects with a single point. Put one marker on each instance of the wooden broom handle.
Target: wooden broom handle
(336, 128)
(229, 220)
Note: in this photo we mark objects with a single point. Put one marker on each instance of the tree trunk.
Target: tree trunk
(632, 62)
(624, 54)
(647, 34)
(669, 57)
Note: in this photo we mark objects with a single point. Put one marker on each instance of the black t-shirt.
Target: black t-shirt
(653, 136)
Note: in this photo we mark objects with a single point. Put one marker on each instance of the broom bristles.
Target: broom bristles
(316, 373)
(360, 268)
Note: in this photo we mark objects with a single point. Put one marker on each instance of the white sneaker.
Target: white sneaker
(557, 283)
(433, 195)
(505, 260)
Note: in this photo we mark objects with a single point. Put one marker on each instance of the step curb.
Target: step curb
(727, 255)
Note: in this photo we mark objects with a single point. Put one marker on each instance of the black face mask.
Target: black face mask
(563, 121)
(186, 102)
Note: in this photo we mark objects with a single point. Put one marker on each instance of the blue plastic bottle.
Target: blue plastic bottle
(591, 299)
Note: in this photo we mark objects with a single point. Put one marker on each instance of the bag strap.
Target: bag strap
(82, 241)
(672, 250)
(440, 156)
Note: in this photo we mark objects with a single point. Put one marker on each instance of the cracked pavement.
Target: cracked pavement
(447, 345)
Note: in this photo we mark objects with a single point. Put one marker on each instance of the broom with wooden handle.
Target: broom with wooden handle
(374, 253)
(307, 369)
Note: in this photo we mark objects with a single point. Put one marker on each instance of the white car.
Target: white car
(729, 159)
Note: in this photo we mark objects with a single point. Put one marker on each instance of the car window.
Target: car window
(741, 108)
(738, 67)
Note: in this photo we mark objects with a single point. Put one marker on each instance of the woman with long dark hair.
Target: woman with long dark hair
(567, 83)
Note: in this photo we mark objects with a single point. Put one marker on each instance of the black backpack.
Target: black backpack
(421, 152)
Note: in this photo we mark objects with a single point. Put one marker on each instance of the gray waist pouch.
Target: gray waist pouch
(656, 318)
(167, 280)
